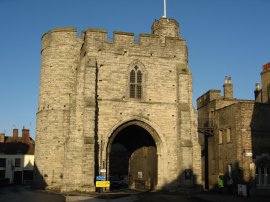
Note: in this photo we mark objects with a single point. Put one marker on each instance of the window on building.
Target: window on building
(2, 174)
(17, 163)
(220, 137)
(228, 135)
(211, 116)
(263, 176)
(230, 169)
(2, 162)
(132, 84)
(135, 88)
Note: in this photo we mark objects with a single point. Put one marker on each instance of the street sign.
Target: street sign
(248, 154)
(100, 178)
(103, 184)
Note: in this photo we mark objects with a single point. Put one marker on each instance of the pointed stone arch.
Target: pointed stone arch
(156, 135)
(158, 181)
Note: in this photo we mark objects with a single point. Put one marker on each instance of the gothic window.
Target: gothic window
(132, 83)
(135, 88)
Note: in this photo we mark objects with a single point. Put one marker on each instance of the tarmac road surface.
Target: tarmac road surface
(20, 193)
(133, 197)
(26, 194)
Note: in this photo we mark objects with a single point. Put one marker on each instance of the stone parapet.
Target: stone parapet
(60, 36)
(124, 43)
(208, 97)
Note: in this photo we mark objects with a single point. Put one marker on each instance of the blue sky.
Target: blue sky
(224, 37)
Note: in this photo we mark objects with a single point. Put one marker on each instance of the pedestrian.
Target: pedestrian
(220, 184)
(230, 184)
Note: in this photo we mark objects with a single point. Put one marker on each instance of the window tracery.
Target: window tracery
(135, 87)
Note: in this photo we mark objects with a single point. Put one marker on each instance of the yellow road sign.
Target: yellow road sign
(102, 183)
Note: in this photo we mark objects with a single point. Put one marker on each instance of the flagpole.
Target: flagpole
(165, 15)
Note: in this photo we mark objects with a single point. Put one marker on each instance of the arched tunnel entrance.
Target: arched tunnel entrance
(133, 159)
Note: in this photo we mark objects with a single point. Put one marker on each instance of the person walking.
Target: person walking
(220, 184)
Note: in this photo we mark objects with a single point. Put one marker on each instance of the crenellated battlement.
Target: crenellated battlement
(164, 40)
(120, 36)
(97, 40)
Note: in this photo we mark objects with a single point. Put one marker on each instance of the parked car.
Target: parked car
(117, 182)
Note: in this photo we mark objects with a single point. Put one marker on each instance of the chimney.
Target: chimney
(265, 77)
(2, 137)
(25, 136)
(15, 134)
(257, 92)
(228, 88)
(266, 67)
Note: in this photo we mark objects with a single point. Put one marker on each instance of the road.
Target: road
(134, 197)
(26, 194)
(18, 193)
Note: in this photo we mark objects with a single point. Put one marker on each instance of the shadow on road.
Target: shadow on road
(15, 193)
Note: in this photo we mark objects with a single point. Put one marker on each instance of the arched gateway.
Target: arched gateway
(120, 106)
(130, 149)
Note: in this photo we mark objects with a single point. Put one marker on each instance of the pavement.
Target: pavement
(132, 196)
(26, 194)
(119, 196)
(213, 197)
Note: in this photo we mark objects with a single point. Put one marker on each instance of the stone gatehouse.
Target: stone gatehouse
(120, 106)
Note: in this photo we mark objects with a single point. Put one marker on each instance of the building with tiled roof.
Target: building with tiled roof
(16, 157)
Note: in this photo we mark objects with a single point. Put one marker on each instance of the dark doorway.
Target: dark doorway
(17, 177)
(133, 159)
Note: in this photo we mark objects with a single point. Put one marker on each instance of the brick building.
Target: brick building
(99, 97)
(235, 135)
(16, 157)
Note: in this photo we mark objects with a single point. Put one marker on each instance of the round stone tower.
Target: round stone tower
(60, 56)
(165, 27)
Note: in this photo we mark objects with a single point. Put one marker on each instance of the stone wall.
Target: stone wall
(85, 97)
(240, 135)
(60, 57)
